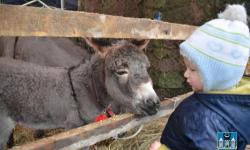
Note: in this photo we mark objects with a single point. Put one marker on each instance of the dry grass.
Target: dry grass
(24, 135)
(149, 133)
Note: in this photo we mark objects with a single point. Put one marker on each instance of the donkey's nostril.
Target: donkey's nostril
(150, 106)
(150, 102)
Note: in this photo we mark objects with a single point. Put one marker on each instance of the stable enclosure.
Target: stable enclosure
(30, 21)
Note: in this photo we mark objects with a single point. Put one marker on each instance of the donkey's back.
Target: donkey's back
(34, 96)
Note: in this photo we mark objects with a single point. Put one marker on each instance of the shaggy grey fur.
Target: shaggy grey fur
(48, 51)
(45, 51)
(41, 97)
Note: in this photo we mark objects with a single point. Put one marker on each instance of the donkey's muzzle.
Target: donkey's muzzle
(150, 103)
(150, 107)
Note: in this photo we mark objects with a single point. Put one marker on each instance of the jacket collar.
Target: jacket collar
(243, 87)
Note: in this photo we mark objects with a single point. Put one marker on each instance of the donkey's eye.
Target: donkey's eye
(120, 73)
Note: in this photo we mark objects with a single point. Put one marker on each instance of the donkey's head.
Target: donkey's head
(126, 76)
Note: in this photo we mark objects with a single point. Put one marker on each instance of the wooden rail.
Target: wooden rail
(90, 134)
(34, 21)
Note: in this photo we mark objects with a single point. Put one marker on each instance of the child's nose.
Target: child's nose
(186, 74)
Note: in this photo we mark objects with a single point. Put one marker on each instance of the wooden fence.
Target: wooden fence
(31, 21)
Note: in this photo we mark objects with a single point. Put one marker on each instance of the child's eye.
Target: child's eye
(192, 69)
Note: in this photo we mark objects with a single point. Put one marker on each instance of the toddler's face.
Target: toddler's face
(192, 76)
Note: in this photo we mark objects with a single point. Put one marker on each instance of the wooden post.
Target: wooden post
(80, 5)
(33, 21)
(90, 134)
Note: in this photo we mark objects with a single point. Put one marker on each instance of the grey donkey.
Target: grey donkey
(51, 97)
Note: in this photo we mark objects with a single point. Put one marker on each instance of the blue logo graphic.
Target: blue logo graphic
(226, 140)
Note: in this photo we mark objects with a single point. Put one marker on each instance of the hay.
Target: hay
(150, 133)
(24, 135)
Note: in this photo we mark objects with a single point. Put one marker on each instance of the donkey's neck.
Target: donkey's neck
(89, 77)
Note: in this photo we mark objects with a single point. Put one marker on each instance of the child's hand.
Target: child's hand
(155, 146)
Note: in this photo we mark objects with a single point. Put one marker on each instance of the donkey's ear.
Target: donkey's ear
(140, 43)
(101, 46)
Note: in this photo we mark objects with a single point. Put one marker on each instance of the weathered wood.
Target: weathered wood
(33, 21)
(95, 132)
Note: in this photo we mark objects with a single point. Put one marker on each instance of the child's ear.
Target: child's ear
(100, 46)
(140, 43)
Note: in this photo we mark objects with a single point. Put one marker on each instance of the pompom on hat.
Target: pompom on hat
(220, 49)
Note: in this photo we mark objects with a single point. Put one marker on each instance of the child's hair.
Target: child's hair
(220, 49)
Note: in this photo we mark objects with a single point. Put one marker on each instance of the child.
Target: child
(215, 55)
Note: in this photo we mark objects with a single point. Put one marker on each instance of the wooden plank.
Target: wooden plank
(34, 21)
(95, 132)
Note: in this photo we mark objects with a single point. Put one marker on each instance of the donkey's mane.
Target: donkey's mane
(91, 66)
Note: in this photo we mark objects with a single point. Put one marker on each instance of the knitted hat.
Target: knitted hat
(220, 49)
